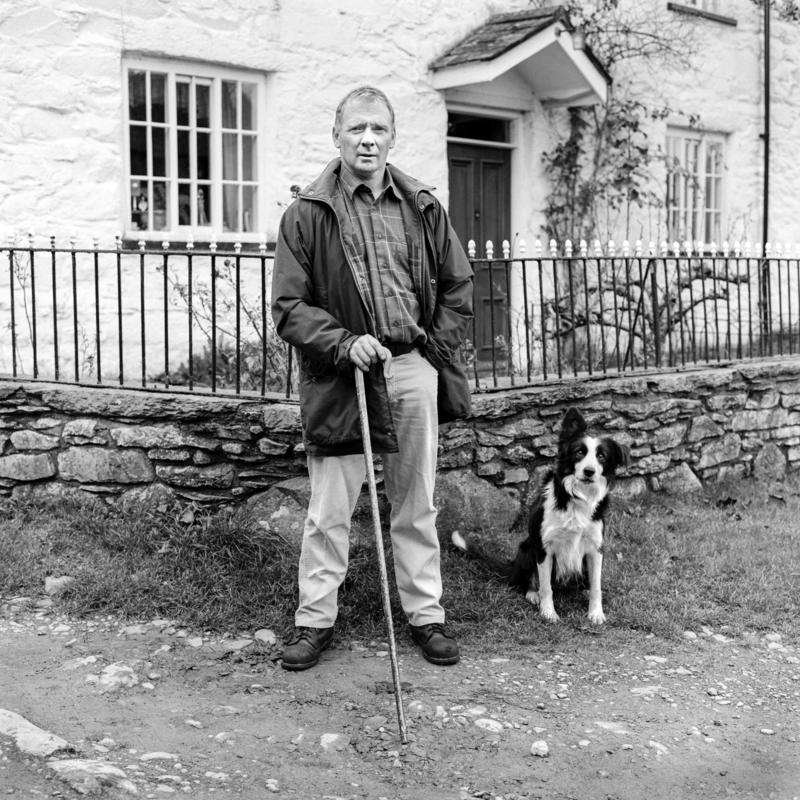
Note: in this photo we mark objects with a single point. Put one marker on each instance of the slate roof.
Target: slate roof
(501, 33)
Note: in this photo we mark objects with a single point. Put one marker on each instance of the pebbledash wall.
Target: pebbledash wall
(684, 429)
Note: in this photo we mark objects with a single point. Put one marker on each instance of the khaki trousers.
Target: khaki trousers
(409, 477)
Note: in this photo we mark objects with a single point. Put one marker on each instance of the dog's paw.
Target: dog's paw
(548, 614)
(597, 617)
(532, 597)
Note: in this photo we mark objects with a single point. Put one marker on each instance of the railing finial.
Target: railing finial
(489, 249)
(568, 248)
(553, 248)
(584, 248)
(522, 248)
(471, 248)
(506, 249)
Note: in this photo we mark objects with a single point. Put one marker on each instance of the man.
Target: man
(369, 275)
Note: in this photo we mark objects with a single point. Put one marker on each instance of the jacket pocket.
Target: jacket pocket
(329, 409)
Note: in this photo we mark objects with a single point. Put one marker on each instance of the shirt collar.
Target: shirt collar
(350, 183)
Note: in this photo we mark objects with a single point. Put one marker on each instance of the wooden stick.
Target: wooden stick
(376, 519)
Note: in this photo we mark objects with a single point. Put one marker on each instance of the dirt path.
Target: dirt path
(622, 717)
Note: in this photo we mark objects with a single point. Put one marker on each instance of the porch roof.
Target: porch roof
(538, 49)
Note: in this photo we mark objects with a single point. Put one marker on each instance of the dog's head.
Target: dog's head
(588, 460)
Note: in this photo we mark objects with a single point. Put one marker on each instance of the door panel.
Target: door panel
(480, 200)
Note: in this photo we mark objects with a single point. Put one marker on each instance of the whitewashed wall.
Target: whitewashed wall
(60, 88)
(61, 134)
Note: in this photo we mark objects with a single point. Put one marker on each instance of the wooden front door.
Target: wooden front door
(480, 200)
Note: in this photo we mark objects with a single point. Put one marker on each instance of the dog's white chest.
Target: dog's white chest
(570, 533)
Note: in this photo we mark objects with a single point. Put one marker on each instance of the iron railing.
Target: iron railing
(198, 317)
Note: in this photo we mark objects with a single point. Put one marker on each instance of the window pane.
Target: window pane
(139, 205)
(204, 205)
(230, 157)
(249, 106)
(184, 204)
(230, 207)
(202, 100)
(203, 156)
(249, 208)
(138, 144)
(160, 218)
(229, 104)
(137, 95)
(159, 152)
(158, 83)
(248, 158)
(182, 99)
(183, 155)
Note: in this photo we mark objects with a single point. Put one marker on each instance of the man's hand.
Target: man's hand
(367, 350)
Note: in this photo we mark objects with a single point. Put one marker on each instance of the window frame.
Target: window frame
(691, 8)
(699, 210)
(213, 75)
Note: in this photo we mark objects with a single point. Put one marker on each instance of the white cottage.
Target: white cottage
(189, 120)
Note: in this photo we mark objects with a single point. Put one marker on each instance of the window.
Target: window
(192, 149)
(708, 9)
(704, 5)
(695, 164)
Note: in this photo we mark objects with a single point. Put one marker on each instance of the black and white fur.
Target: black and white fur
(566, 521)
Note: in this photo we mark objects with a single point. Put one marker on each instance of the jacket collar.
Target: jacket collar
(326, 186)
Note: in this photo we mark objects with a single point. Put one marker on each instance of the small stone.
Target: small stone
(193, 723)
(194, 641)
(158, 756)
(56, 586)
(266, 636)
(272, 785)
(491, 725)
(690, 635)
(656, 659)
(767, 731)
(540, 749)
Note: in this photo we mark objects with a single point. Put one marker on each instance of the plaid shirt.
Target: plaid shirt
(380, 239)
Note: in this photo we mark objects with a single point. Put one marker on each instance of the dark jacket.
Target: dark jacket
(319, 308)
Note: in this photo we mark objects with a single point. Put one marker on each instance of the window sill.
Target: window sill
(699, 12)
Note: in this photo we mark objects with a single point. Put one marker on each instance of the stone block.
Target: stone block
(515, 475)
(158, 436)
(758, 420)
(466, 502)
(102, 465)
(703, 428)
(82, 431)
(720, 451)
(27, 467)
(770, 463)
(269, 447)
(678, 480)
(31, 440)
(215, 476)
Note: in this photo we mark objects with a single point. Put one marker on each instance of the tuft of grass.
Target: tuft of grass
(726, 558)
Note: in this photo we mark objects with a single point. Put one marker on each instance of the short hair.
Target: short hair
(368, 93)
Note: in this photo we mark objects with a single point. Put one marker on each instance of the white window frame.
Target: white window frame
(212, 75)
(693, 213)
(712, 6)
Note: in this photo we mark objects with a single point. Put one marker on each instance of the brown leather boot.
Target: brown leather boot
(304, 649)
(437, 645)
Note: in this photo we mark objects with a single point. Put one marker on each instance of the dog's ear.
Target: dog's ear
(573, 424)
(619, 454)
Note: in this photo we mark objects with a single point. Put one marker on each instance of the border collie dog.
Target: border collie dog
(565, 526)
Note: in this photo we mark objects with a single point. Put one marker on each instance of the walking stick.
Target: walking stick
(376, 519)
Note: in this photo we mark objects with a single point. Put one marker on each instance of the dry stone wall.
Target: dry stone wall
(683, 429)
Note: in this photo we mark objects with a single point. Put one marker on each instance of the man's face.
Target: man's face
(364, 137)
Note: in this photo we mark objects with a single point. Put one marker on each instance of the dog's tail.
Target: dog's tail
(500, 566)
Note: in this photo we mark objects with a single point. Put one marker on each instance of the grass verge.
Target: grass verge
(727, 558)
